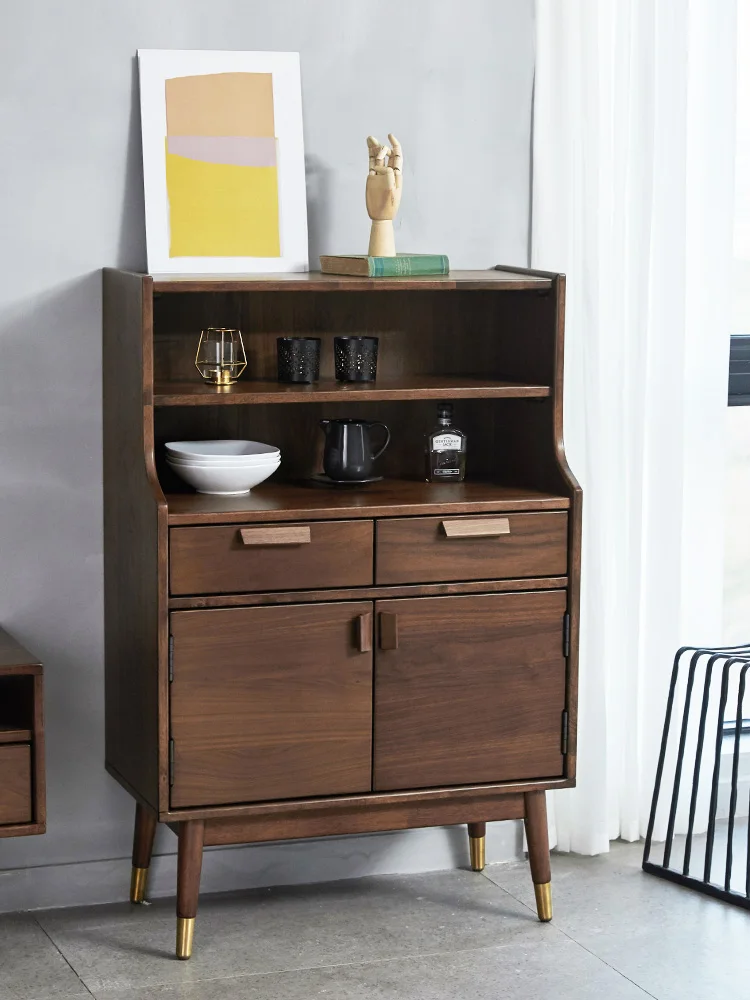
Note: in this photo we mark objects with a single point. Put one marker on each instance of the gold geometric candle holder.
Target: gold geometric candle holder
(220, 357)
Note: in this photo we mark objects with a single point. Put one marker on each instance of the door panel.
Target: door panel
(271, 703)
(469, 690)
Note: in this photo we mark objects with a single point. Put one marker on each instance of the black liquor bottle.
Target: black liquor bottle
(445, 449)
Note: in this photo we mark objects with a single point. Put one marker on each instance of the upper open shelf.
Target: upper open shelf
(328, 391)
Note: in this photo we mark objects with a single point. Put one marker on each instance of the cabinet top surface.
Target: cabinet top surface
(312, 281)
(13, 656)
(274, 501)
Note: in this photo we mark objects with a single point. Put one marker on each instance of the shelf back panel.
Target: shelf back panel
(498, 336)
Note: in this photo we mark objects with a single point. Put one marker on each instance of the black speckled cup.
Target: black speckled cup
(356, 358)
(298, 359)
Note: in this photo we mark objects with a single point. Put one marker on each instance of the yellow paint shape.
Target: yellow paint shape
(220, 104)
(222, 210)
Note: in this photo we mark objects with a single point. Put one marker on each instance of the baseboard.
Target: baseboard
(230, 868)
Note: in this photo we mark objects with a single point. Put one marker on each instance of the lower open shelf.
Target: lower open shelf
(279, 501)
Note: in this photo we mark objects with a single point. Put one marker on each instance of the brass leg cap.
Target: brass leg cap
(476, 852)
(185, 931)
(543, 893)
(138, 879)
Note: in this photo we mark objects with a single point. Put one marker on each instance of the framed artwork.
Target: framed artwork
(223, 161)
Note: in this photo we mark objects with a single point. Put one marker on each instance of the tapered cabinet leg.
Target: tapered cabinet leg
(143, 845)
(189, 860)
(537, 839)
(477, 833)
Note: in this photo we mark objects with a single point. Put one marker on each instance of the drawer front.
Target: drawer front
(15, 784)
(244, 558)
(488, 547)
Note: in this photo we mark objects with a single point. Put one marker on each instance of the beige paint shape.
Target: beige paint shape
(220, 104)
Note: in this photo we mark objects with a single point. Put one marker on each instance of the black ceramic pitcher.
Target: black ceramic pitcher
(348, 455)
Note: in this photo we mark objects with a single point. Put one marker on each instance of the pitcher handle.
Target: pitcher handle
(379, 423)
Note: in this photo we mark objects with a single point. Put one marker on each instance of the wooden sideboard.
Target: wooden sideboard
(22, 789)
(411, 662)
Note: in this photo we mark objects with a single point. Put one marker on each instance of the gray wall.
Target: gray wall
(452, 79)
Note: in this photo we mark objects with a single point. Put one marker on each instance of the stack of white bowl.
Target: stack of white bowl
(228, 468)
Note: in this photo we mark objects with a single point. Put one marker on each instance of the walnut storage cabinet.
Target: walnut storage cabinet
(303, 661)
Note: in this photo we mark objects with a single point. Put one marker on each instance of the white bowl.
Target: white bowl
(272, 464)
(223, 482)
(264, 470)
(226, 449)
(259, 462)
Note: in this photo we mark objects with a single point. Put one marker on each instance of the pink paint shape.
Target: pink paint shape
(237, 150)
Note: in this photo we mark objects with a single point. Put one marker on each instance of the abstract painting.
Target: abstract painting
(223, 161)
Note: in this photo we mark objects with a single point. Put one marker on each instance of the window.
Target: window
(737, 551)
(739, 361)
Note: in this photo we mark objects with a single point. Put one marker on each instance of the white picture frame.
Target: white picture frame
(156, 67)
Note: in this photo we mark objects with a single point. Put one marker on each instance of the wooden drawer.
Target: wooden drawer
(243, 558)
(15, 784)
(487, 547)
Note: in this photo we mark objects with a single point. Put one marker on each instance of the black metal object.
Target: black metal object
(356, 358)
(739, 370)
(298, 359)
(723, 669)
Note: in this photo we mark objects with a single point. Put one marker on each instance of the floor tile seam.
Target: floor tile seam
(167, 918)
(609, 965)
(579, 944)
(102, 993)
(61, 953)
(60, 996)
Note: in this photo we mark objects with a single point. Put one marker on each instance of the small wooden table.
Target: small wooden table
(22, 782)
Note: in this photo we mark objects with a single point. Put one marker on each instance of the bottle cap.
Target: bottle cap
(445, 410)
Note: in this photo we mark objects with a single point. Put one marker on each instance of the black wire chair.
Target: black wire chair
(729, 664)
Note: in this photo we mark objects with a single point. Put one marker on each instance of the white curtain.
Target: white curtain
(633, 198)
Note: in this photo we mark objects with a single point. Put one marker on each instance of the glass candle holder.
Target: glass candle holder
(220, 357)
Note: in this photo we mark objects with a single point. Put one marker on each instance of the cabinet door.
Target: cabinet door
(469, 690)
(271, 703)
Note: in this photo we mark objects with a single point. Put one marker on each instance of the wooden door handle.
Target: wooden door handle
(388, 630)
(364, 632)
(484, 528)
(292, 534)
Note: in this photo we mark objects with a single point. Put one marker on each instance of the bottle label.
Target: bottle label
(446, 442)
(447, 473)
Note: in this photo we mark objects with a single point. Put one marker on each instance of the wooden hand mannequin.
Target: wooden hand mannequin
(383, 194)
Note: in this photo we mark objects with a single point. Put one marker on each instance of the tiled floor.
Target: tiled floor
(617, 934)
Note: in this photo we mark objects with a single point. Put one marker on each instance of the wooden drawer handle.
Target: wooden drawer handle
(296, 534)
(388, 630)
(364, 632)
(477, 529)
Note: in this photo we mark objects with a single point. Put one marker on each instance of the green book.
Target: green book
(403, 264)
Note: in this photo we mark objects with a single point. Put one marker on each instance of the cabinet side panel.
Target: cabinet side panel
(528, 442)
(39, 762)
(131, 540)
(575, 533)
